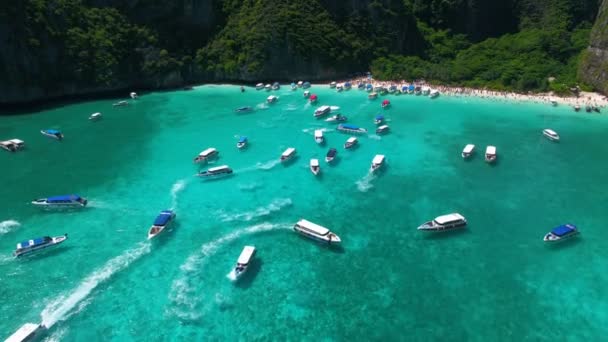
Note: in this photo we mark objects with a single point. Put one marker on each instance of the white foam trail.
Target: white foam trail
(59, 308)
(56, 336)
(175, 190)
(365, 183)
(274, 206)
(268, 165)
(8, 225)
(231, 275)
(374, 136)
(249, 186)
(262, 105)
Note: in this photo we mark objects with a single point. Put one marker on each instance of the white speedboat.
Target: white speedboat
(27, 332)
(331, 155)
(59, 202)
(444, 223)
(468, 151)
(314, 166)
(95, 116)
(288, 154)
(351, 129)
(316, 232)
(206, 155)
(242, 143)
(321, 111)
(339, 88)
(551, 134)
(553, 102)
(306, 94)
(319, 138)
(426, 91)
(491, 154)
(377, 163)
(383, 129)
(350, 142)
(33, 245)
(563, 232)
(216, 172)
(336, 118)
(133, 95)
(162, 221)
(120, 104)
(272, 99)
(12, 145)
(434, 93)
(259, 86)
(300, 84)
(52, 133)
(268, 87)
(372, 96)
(243, 261)
(332, 85)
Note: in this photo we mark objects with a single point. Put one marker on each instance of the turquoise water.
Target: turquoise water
(496, 280)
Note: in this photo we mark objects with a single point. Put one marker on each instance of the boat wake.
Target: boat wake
(8, 225)
(268, 165)
(249, 187)
(61, 308)
(275, 206)
(262, 105)
(185, 301)
(365, 183)
(175, 190)
(374, 136)
(231, 275)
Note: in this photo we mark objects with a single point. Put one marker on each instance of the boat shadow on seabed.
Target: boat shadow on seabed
(445, 234)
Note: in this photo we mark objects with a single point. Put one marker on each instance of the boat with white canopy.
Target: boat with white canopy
(288, 154)
(377, 163)
(350, 142)
(12, 145)
(321, 111)
(444, 223)
(491, 154)
(468, 151)
(244, 260)
(315, 168)
(316, 232)
(206, 155)
(551, 134)
(319, 139)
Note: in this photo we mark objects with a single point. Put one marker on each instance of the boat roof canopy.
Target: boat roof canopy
(24, 333)
(378, 159)
(313, 227)
(34, 242)
(218, 168)
(289, 151)
(349, 126)
(17, 141)
(563, 229)
(550, 131)
(323, 108)
(491, 150)
(242, 139)
(379, 117)
(351, 139)
(449, 218)
(469, 148)
(208, 152)
(314, 162)
(63, 198)
(246, 255)
(383, 127)
(52, 131)
(318, 133)
(163, 218)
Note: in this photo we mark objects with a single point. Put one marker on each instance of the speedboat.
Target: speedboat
(293, 86)
(562, 232)
(30, 246)
(377, 163)
(272, 99)
(361, 86)
(551, 134)
(347, 85)
(313, 99)
(319, 139)
(426, 91)
(163, 220)
(245, 109)
(350, 142)
(386, 104)
(120, 104)
(306, 94)
(331, 155)
(259, 86)
(434, 93)
(27, 332)
(321, 111)
(332, 85)
(491, 154)
(379, 119)
(133, 95)
(444, 223)
(411, 89)
(336, 118)
(372, 96)
(577, 108)
(95, 116)
(468, 151)
(276, 86)
(268, 87)
(351, 128)
(553, 102)
(392, 89)
(12, 145)
(300, 84)
(288, 154)
(216, 172)
(339, 88)
(314, 166)
(242, 143)
(52, 133)
(306, 85)
(206, 155)
(382, 129)
(417, 90)
(58, 202)
(316, 232)
(383, 91)
(243, 261)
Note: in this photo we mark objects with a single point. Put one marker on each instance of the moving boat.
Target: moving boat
(12, 145)
(316, 232)
(27, 332)
(314, 166)
(288, 154)
(64, 201)
(133, 95)
(30, 246)
(350, 142)
(259, 86)
(216, 172)
(120, 104)
(306, 94)
(332, 85)
(243, 261)
(372, 95)
(321, 111)
(245, 109)
(551, 134)
(313, 99)
(351, 128)
(336, 118)
(382, 129)
(319, 139)
(491, 154)
(468, 151)
(562, 232)
(95, 116)
(162, 221)
(206, 155)
(52, 133)
(379, 119)
(444, 223)
(331, 155)
(386, 104)
(377, 163)
(272, 99)
(242, 143)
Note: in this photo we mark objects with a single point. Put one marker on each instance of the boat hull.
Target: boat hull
(322, 239)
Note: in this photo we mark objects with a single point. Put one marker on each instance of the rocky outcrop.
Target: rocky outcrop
(594, 63)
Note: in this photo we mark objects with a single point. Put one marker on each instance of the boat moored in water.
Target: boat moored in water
(52, 133)
(95, 116)
(27, 332)
(316, 232)
(12, 145)
(306, 85)
(332, 85)
(322, 111)
(434, 93)
(444, 223)
(331, 155)
(372, 96)
(313, 98)
(319, 138)
(216, 172)
(268, 87)
(59, 202)
(206, 155)
(242, 143)
(551, 134)
(563, 232)
(306, 94)
(162, 221)
(350, 142)
(468, 151)
(379, 119)
(120, 104)
(382, 129)
(259, 86)
(243, 261)
(272, 99)
(351, 129)
(315, 168)
(276, 86)
(33, 245)
(288, 154)
(491, 154)
(377, 163)
(386, 104)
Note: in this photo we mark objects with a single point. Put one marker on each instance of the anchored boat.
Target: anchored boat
(565, 231)
(319, 139)
(163, 220)
(382, 129)
(272, 99)
(242, 143)
(216, 172)
(331, 155)
(314, 166)
(551, 134)
(321, 111)
(33, 245)
(348, 128)
(444, 223)
(468, 151)
(52, 133)
(316, 232)
(491, 154)
(12, 145)
(350, 142)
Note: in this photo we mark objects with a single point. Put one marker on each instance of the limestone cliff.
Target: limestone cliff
(594, 65)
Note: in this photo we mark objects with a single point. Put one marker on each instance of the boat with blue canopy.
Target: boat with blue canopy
(63, 201)
(351, 129)
(559, 233)
(379, 119)
(242, 143)
(411, 89)
(369, 87)
(162, 221)
(306, 85)
(33, 245)
(348, 85)
(52, 133)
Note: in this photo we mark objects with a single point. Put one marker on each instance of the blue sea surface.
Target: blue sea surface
(496, 280)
